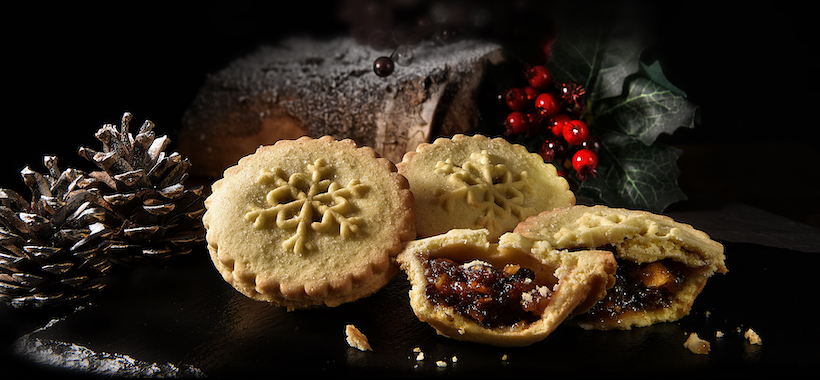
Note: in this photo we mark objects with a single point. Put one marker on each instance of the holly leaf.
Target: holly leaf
(654, 73)
(596, 59)
(649, 107)
(634, 175)
(628, 104)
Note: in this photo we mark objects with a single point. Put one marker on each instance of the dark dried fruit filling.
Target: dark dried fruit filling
(649, 286)
(492, 297)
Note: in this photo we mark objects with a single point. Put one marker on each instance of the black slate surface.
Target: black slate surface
(72, 68)
(182, 319)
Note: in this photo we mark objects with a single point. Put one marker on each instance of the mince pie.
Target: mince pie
(309, 222)
(474, 182)
(511, 293)
(662, 265)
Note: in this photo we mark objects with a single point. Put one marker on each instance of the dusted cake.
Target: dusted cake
(316, 88)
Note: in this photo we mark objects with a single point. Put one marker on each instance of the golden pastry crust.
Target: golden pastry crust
(472, 182)
(572, 281)
(309, 222)
(672, 257)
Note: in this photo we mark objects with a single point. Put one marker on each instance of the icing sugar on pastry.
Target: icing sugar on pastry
(511, 293)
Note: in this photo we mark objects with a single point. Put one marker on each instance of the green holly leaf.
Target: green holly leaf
(647, 109)
(628, 104)
(634, 175)
(596, 59)
(654, 73)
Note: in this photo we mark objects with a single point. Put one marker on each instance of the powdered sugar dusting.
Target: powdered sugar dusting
(75, 357)
(303, 86)
(304, 63)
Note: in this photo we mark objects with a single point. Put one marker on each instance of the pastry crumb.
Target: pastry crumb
(697, 345)
(419, 354)
(441, 363)
(718, 334)
(356, 339)
(752, 336)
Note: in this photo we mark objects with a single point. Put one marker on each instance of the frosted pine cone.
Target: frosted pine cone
(52, 249)
(153, 215)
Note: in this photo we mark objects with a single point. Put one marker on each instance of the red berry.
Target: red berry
(553, 148)
(516, 99)
(585, 162)
(548, 104)
(592, 143)
(537, 122)
(532, 93)
(571, 92)
(516, 123)
(559, 122)
(576, 132)
(539, 76)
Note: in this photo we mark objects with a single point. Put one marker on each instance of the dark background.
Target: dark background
(72, 68)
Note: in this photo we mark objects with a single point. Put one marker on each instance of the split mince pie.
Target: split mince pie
(309, 222)
(473, 182)
(662, 265)
(511, 293)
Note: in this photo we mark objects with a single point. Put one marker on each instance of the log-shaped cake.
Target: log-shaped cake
(328, 87)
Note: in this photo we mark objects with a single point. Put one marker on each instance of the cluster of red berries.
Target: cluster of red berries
(543, 107)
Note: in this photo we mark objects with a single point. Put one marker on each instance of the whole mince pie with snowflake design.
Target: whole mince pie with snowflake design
(309, 222)
(511, 293)
(473, 182)
(663, 264)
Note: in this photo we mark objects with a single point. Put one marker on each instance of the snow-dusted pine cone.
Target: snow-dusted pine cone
(153, 215)
(53, 248)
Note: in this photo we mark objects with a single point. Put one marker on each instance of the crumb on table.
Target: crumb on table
(356, 339)
(697, 345)
(752, 336)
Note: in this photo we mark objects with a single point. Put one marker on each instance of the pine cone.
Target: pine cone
(153, 215)
(52, 249)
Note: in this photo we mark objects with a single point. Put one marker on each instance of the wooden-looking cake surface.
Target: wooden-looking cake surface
(316, 88)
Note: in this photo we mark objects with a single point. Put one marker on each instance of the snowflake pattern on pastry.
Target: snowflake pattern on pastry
(307, 202)
(493, 188)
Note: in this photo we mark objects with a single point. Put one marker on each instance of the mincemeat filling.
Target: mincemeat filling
(648, 287)
(492, 297)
